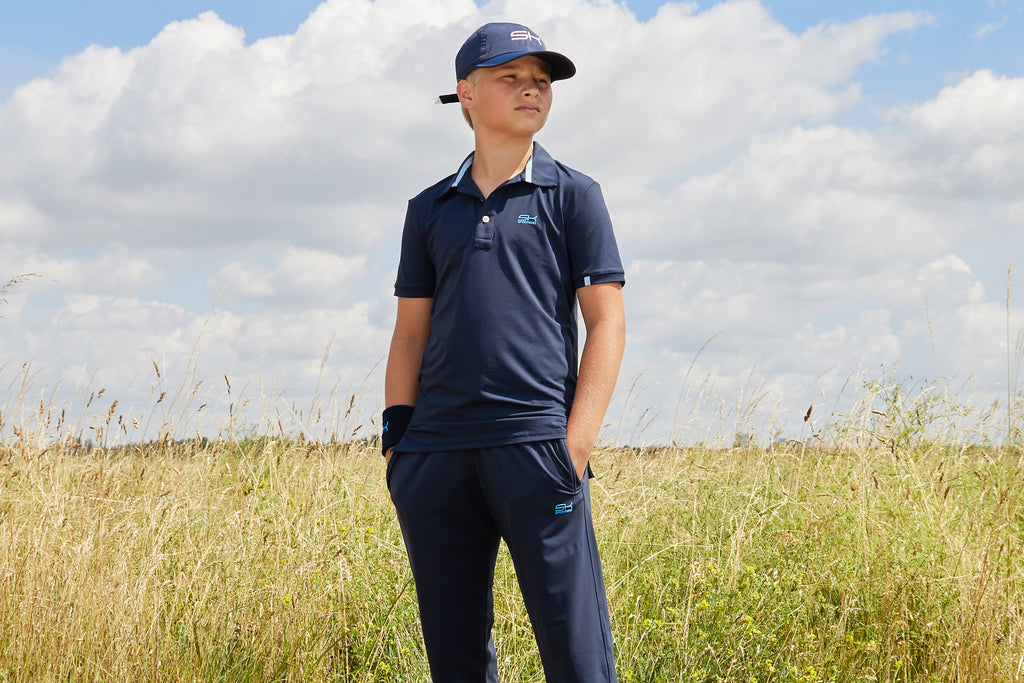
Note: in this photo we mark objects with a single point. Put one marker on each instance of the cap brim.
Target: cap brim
(561, 66)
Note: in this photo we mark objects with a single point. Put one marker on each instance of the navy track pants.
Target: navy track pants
(454, 507)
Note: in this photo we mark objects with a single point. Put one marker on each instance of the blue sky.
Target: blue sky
(803, 192)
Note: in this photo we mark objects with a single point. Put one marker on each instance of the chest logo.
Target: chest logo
(526, 219)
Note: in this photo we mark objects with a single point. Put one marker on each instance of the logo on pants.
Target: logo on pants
(563, 508)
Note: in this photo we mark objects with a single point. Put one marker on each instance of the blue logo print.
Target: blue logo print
(386, 425)
(563, 508)
(528, 219)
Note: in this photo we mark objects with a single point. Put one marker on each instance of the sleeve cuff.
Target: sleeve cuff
(414, 292)
(600, 278)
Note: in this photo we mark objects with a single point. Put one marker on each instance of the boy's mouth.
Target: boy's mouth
(528, 108)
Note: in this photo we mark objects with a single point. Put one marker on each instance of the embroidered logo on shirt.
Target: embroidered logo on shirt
(563, 508)
(528, 219)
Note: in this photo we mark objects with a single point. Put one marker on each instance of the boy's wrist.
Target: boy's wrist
(579, 452)
(394, 422)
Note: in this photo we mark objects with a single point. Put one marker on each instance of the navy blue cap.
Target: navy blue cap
(500, 43)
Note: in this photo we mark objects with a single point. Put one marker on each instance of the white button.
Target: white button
(486, 219)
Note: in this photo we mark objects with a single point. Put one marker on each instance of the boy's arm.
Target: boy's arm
(401, 378)
(605, 319)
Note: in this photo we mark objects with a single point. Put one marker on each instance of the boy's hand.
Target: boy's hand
(579, 452)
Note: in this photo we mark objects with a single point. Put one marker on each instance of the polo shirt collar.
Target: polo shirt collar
(540, 170)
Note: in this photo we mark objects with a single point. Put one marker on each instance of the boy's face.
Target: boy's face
(513, 98)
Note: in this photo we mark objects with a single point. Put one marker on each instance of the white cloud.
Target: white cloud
(301, 275)
(965, 321)
(991, 28)
(19, 220)
(250, 281)
(198, 133)
(972, 135)
(826, 195)
(685, 86)
(116, 270)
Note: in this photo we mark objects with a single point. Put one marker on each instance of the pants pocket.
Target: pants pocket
(390, 468)
(565, 458)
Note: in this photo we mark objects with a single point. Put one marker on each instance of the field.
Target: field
(280, 559)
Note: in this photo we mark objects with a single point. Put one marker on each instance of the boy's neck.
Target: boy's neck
(493, 164)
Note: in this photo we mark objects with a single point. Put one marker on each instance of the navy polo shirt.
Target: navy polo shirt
(500, 363)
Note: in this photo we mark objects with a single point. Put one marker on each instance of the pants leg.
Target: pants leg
(452, 543)
(542, 510)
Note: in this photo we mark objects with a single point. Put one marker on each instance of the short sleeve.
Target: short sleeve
(593, 252)
(416, 276)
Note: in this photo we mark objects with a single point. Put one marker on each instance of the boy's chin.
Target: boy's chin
(517, 131)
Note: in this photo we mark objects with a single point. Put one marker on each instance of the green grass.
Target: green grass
(268, 559)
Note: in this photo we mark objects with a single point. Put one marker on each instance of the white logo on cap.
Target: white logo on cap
(525, 35)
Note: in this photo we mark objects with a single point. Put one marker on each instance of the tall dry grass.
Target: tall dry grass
(271, 559)
(239, 561)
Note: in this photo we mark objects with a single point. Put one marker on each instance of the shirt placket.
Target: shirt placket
(484, 235)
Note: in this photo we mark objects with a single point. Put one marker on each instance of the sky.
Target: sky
(808, 197)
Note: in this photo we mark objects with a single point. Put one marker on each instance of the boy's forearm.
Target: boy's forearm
(401, 378)
(599, 369)
(412, 328)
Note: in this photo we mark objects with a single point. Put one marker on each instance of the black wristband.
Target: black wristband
(395, 419)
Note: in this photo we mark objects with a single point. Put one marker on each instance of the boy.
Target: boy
(489, 426)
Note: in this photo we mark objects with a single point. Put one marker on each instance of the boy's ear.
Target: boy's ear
(464, 89)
